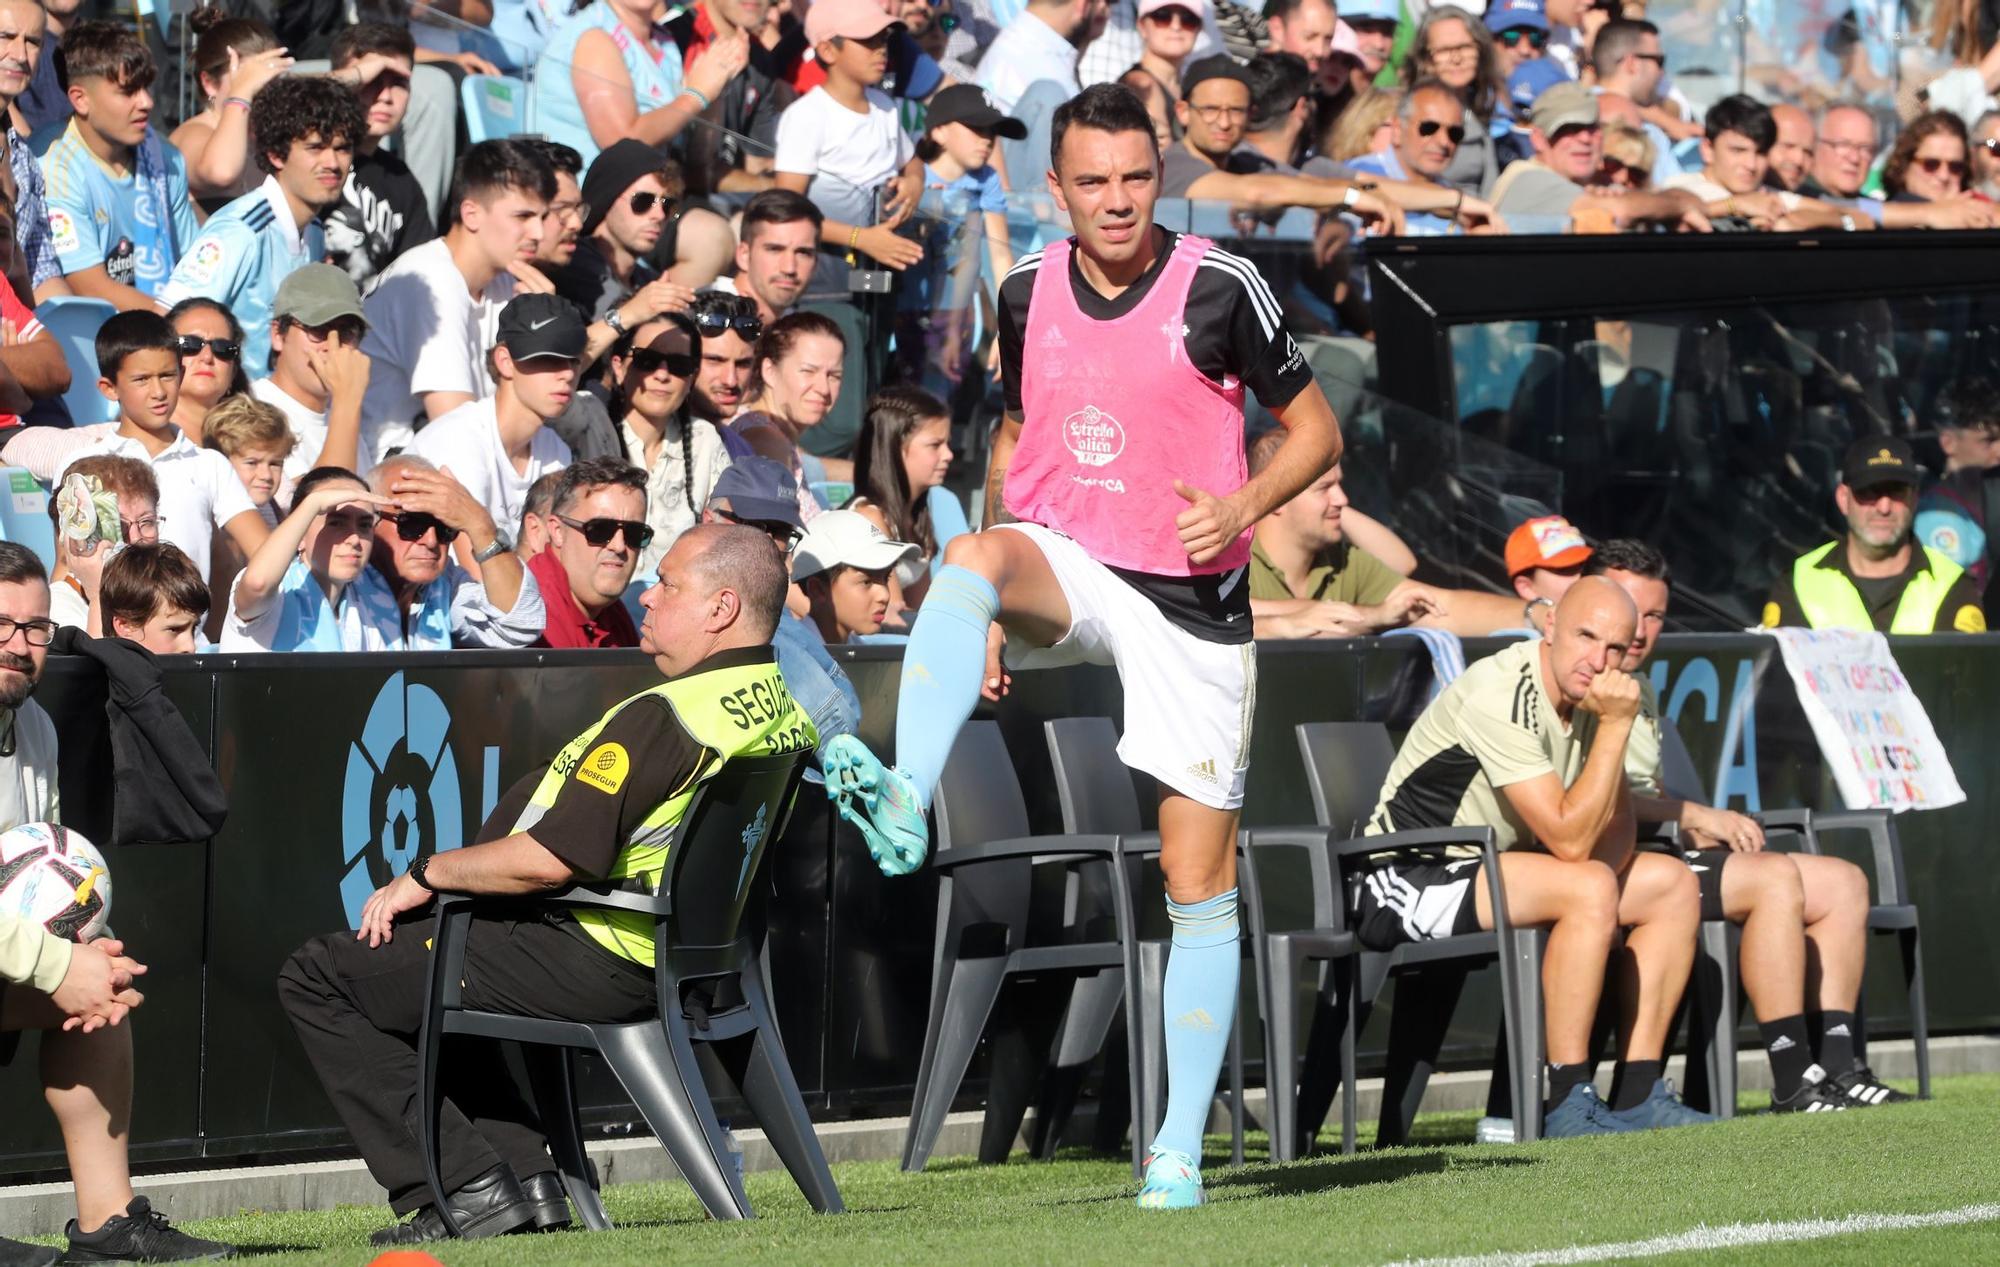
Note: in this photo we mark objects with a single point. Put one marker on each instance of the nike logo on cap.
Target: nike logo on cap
(536, 325)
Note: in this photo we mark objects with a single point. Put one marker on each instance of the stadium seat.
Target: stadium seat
(74, 321)
(991, 932)
(1343, 762)
(699, 924)
(24, 514)
(1095, 791)
(496, 106)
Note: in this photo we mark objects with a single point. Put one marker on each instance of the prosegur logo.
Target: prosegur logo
(402, 796)
(1094, 437)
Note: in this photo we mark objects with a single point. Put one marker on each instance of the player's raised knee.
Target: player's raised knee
(978, 552)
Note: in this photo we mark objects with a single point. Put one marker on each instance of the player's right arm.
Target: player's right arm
(1005, 437)
(1571, 822)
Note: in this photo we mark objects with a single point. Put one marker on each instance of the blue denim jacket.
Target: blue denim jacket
(818, 684)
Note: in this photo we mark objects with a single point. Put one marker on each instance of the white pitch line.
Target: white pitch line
(1698, 1239)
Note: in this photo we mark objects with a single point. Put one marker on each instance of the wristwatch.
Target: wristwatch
(418, 870)
(499, 547)
(1352, 196)
(616, 322)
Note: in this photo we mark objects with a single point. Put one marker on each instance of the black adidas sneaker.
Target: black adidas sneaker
(1816, 1094)
(1864, 1090)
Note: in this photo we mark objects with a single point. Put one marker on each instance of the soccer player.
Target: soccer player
(306, 128)
(119, 215)
(1126, 351)
(1804, 916)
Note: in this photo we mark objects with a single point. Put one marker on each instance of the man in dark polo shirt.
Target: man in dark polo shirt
(1307, 580)
(1877, 576)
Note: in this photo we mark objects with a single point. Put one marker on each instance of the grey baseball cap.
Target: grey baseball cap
(316, 295)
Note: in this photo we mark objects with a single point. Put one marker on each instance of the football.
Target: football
(52, 876)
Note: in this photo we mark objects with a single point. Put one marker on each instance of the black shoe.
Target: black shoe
(488, 1206)
(545, 1192)
(1816, 1094)
(140, 1235)
(1864, 1090)
(16, 1254)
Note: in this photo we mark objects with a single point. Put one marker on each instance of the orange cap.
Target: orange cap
(1548, 542)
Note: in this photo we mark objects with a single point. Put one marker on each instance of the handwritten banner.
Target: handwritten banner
(1872, 728)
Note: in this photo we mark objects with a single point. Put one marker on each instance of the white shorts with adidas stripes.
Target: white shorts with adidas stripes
(1188, 702)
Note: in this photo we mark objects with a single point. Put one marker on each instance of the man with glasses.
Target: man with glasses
(629, 198)
(1520, 33)
(415, 596)
(1430, 123)
(499, 446)
(1568, 138)
(597, 529)
(1841, 159)
(1630, 63)
(729, 326)
(319, 373)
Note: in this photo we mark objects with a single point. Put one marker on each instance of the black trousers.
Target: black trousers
(357, 1012)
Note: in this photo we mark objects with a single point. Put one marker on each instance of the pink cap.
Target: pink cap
(854, 19)
(1345, 41)
(1197, 7)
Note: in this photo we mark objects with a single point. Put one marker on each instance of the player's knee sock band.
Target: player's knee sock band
(1199, 1000)
(941, 671)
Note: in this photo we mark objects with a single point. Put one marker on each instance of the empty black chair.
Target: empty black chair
(1340, 759)
(1095, 790)
(715, 1016)
(986, 864)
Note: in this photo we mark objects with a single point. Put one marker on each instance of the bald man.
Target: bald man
(1531, 743)
(1792, 153)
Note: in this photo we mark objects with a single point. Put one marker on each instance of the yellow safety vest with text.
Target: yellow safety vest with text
(1831, 601)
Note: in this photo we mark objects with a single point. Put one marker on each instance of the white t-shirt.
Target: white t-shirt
(426, 333)
(199, 490)
(468, 441)
(308, 431)
(817, 136)
(68, 608)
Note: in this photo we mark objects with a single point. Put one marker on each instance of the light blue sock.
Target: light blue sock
(942, 667)
(1199, 1000)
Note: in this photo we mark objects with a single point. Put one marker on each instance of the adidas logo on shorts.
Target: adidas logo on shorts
(1205, 771)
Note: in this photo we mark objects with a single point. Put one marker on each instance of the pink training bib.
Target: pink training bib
(1114, 413)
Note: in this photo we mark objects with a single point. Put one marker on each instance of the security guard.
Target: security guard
(1877, 577)
(605, 808)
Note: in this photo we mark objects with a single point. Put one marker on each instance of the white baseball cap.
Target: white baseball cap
(846, 538)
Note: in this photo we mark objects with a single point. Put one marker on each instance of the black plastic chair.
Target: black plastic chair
(715, 1013)
(1341, 759)
(987, 935)
(1096, 793)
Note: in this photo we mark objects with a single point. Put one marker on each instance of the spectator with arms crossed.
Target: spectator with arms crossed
(1804, 916)
(119, 216)
(1736, 157)
(1840, 163)
(1531, 742)
(1568, 140)
(1129, 553)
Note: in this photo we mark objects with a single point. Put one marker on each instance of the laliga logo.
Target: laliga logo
(1093, 436)
(402, 795)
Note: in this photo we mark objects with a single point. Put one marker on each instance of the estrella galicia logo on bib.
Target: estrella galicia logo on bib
(401, 797)
(1092, 436)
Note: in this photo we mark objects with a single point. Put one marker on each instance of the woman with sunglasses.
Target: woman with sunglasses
(1455, 48)
(652, 379)
(293, 594)
(210, 341)
(1931, 161)
(799, 363)
(1168, 30)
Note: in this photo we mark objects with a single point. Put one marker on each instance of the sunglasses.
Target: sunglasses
(749, 325)
(786, 535)
(679, 364)
(1515, 36)
(946, 22)
(1956, 166)
(411, 525)
(1186, 19)
(1615, 167)
(192, 344)
(642, 202)
(1991, 145)
(1658, 59)
(1429, 127)
(598, 532)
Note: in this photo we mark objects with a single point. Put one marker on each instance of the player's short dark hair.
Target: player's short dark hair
(294, 108)
(1618, 40)
(18, 563)
(559, 157)
(778, 206)
(1102, 108)
(489, 169)
(357, 41)
(578, 478)
(1744, 115)
(146, 576)
(124, 333)
(111, 51)
(321, 475)
(1628, 554)
(1278, 81)
(1970, 402)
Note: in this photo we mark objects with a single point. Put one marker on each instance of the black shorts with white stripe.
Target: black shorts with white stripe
(1415, 901)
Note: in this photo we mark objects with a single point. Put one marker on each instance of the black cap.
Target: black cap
(542, 325)
(614, 171)
(1876, 460)
(968, 104)
(1219, 66)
